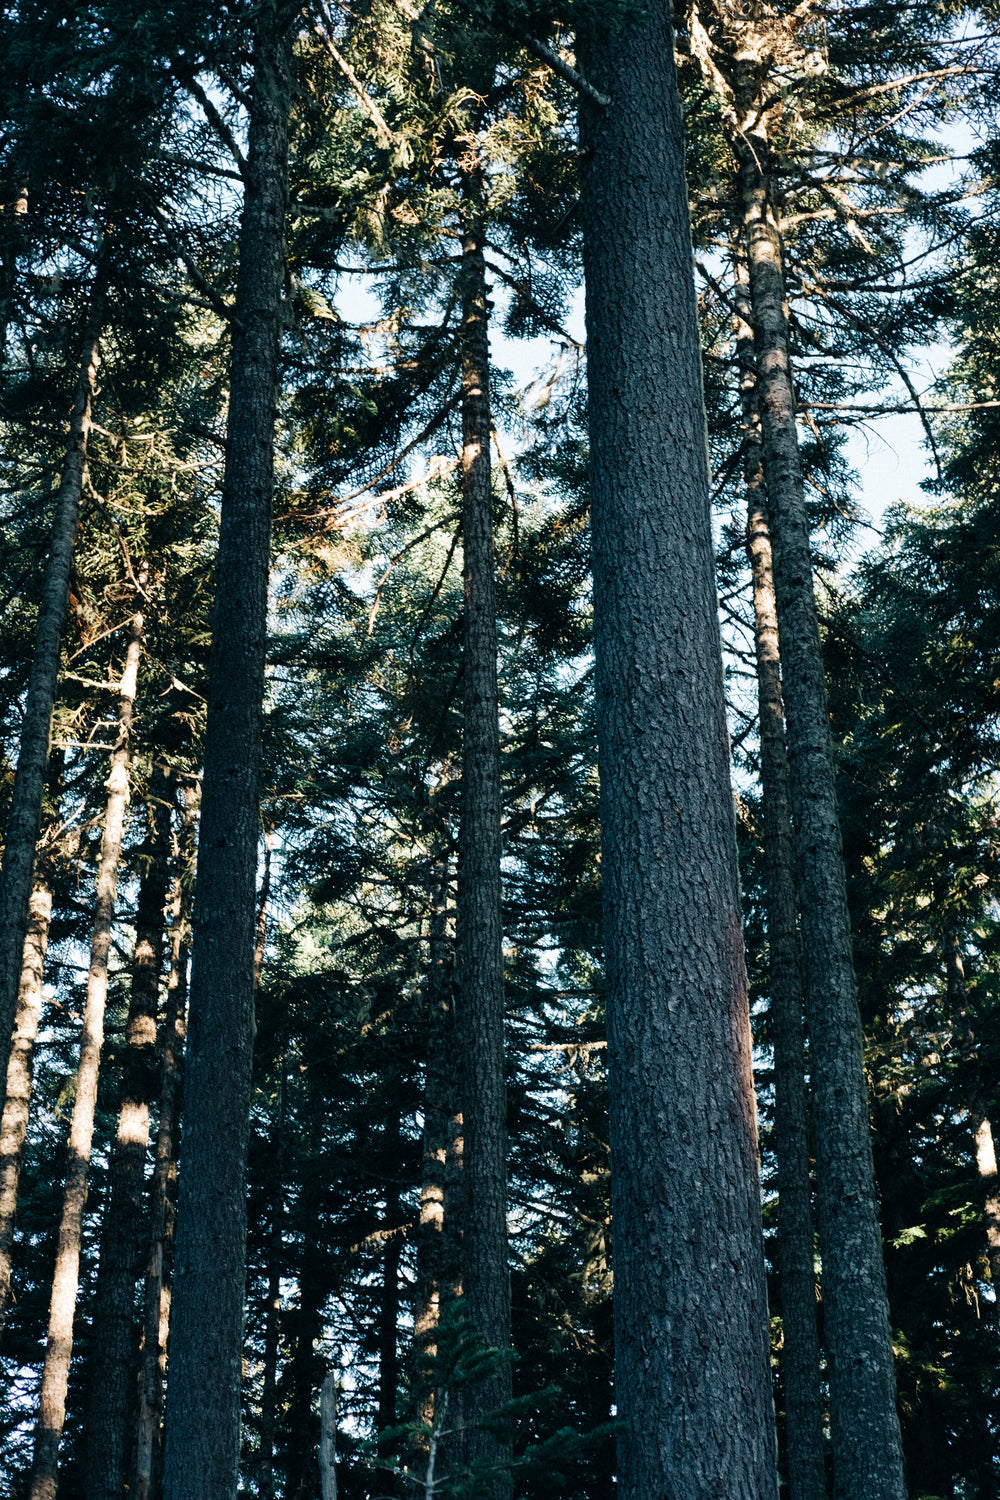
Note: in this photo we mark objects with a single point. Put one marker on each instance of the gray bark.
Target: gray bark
(114, 1349)
(66, 1277)
(24, 816)
(328, 1437)
(692, 1375)
(865, 1434)
(800, 1335)
(480, 1002)
(20, 1071)
(203, 1404)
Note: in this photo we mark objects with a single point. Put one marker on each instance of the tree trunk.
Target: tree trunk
(306, 1362)
(980, 1125)
(864, 1424)
(156, 1296)
(800, 1336)
(480, 1001)
(24, 816)
(20, 1072)
(203, 1406)
(65, 1281)
(328, 1437)
(275, 1265)
(392, 1251)
(692, 1376)
(114, 1351)
(438, 1256)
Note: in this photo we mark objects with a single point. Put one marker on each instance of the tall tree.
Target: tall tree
(864, 1423)
(65, 1282)
(480, 989)
(692, 1377)
(25, 812)
(202, 1437)
(800, 1337)
(114, 1348)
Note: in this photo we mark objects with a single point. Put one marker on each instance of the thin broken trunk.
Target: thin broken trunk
(65, 1281)
(328, 1437)
(867, 1450)
(693, 1384)
(24, 815)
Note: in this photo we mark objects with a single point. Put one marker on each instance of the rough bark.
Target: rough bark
(692, 1377)
(20, 1070)
(24, 816)
(156, 1293)
(480, 1000)
(65, 1281)
(328, 1437)
(115, 1348)
(797, 1278)
(203, 1405)
(865, 1434)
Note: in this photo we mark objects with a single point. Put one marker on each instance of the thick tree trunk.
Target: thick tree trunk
(864, 1424)
(156, 1295)
(24, 816)
(20, 1070)
(203, 1404)
(480, 999)
(797, 1277)
(65, 1281)
(115, 1347)
(692, 1378)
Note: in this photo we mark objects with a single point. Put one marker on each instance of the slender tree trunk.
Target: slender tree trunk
(480, 1003)
(306, 1370)
(980, 1125)
(392, 1250)
(20, 1072)
(438, 1277)
(800, 1336)
(24, 816)
(156, 1294)
(203, 1405)
(692, 1375)
(275, 1263)
(112, 1364)
(864, 1424)
(328, 1437)
(65, 1281)
(14, 205)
